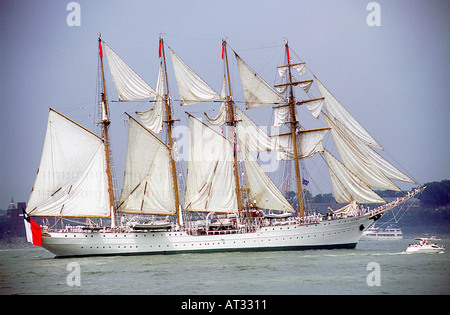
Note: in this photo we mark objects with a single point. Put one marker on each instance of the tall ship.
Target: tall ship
(225, 201)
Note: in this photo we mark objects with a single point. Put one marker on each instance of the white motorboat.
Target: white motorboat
(424, 246)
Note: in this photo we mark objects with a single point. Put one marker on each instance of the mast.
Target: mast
(294, 123)
(170, 122)
(232, 123)
(105, 122)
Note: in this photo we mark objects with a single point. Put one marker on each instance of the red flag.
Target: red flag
(100, 51)
(223, 48)
(160, 46)
(287, 53)
(33, 230)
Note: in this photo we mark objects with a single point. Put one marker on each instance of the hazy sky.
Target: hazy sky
(394, 78)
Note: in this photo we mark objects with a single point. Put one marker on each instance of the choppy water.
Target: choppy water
(34, 271)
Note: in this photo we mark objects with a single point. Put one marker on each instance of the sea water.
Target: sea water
(374, 267)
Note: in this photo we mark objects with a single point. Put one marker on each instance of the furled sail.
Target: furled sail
(305, 85)
(71, 180)
(336, 110)
(309, 142)
(355, 160)
(153, 118)
(256, 91)
(281, 113)
(346, 186)
(262, 190)
(191, 87)
(314, 105)
(148, 185)
(210, 183)
(300, 67)
(129, 85)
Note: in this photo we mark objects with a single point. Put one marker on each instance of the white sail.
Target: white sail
(309, 142)
(71, 179)
(391, 171)
(349, 209)
(148, 185)
(262, 190)
(256, 91)
(222, 116)
(336, 110)
(210, 184)
(281, 113)
(306, 85)
(251, 135)
(129, 85)
(346, 186)
(153, 118)
(281, 89)
(300, 67)
(355, 160)
(191, 87)
(387, 168)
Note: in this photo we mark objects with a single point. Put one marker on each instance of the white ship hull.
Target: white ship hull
(343, 233)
